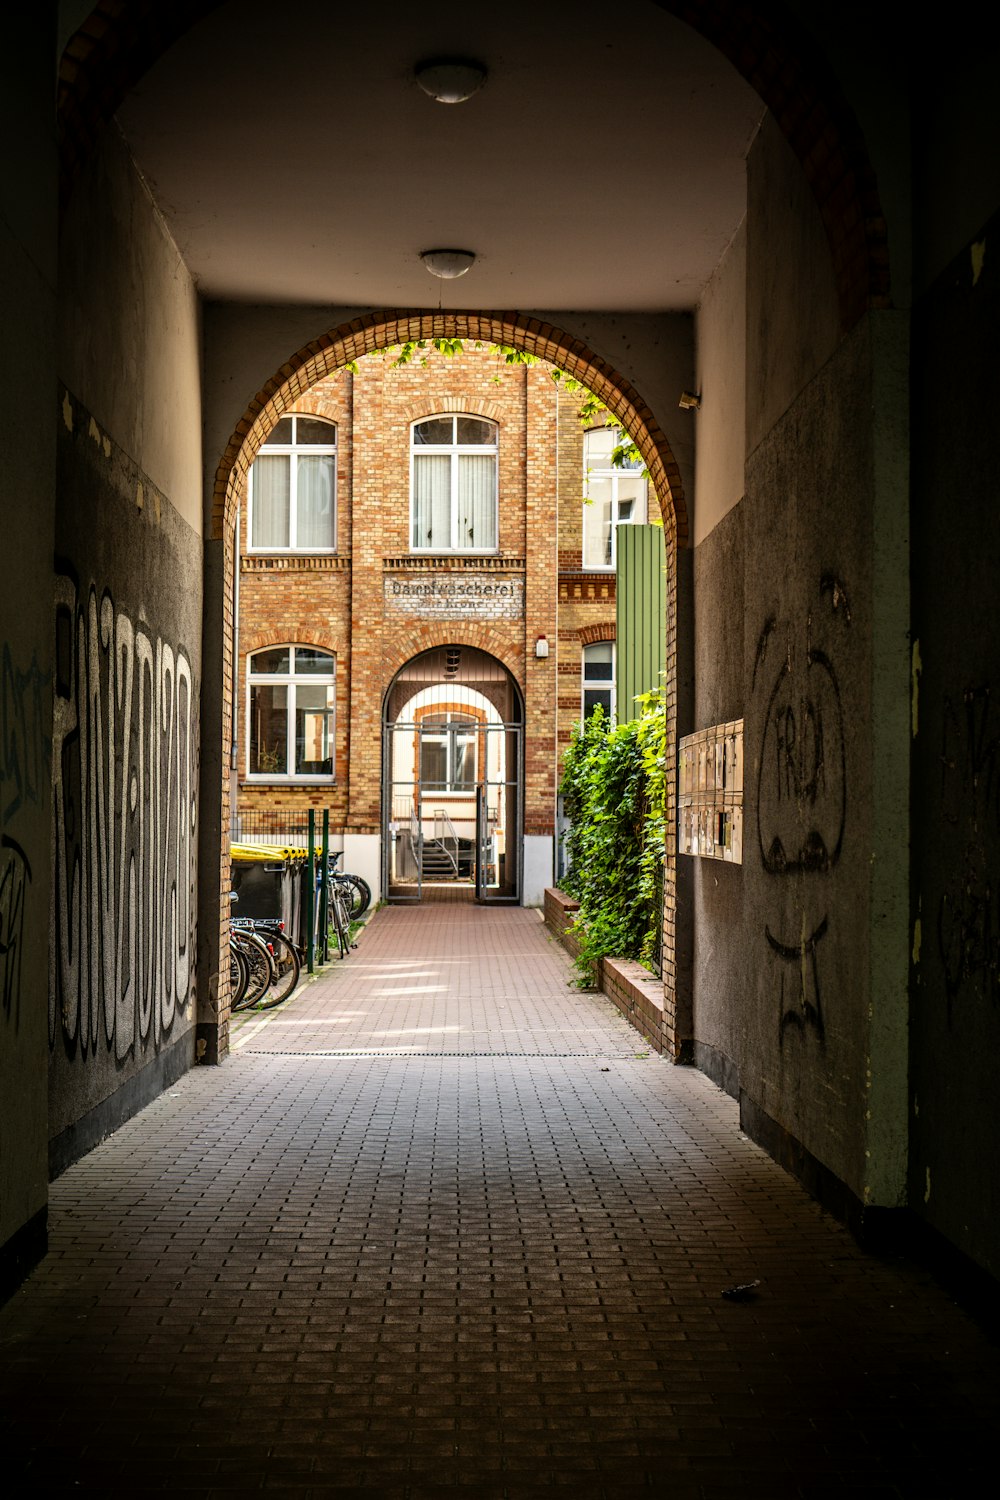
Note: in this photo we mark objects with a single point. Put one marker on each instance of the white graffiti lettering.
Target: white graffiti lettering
(124, 763)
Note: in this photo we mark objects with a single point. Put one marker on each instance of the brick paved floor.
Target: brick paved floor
(443, 1226)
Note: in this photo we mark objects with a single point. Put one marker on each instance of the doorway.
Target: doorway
(452, 751)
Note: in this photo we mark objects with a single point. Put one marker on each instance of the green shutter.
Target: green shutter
(641, 612)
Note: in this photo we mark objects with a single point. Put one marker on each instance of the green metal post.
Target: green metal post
(311, 903)
(324, 916)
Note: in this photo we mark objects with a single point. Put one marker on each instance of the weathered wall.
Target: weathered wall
(955, 1020)
(127, 605)
(27, 491)
(783, 633)
(807, 775)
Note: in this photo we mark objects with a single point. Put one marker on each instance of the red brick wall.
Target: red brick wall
(338, 603)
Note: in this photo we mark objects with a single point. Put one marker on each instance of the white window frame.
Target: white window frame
(455, 722)
(455, 450)
(616, 476)
(599, 684)
(291, 680)
(294, 451)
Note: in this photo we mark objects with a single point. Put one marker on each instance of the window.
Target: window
(454, 485)
(290, 710)
(599, 679)
(448, 753)
(612, 496)
(293, 487)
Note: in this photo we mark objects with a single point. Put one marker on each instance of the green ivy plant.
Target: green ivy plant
(614, 789)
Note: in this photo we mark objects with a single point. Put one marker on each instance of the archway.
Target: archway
(452, 756)
(346, 344)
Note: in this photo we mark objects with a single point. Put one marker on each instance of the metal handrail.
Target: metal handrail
(445, 833)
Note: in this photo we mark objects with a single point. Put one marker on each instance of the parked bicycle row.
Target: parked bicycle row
(265, 960)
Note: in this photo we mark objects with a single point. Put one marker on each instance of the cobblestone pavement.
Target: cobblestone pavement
(444, 1226)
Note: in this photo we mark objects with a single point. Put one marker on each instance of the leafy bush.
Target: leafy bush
(613, 789)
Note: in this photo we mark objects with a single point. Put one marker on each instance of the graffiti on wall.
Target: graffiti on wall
(25, 748)
(124, 774)
(968, 918)
(802, 792)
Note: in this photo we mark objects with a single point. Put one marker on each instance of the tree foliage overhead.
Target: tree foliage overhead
(592, 411)
(614, 789)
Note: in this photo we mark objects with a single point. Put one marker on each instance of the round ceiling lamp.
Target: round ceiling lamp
(450, 80)
(447, 264)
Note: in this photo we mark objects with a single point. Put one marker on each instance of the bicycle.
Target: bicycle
(355, 888)
(285, 964)
(251, 966)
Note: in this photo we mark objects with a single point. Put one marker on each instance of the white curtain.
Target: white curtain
(597, 524)
(314, 502)
(271, 495)
(432, 501)
(477, 507)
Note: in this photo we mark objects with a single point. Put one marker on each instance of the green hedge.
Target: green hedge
(613, 789)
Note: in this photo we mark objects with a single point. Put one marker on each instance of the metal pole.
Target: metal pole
(324, 916)
(311, 903)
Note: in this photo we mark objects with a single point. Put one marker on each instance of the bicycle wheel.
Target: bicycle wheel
(285, 960)
(358, 893)
(340, 923)
(258, 960)
(239, 976)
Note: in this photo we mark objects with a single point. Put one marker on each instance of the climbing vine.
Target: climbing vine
(613, 789)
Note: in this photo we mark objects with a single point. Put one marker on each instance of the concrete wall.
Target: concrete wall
(128, 610)
(720, 363)
(785, 635)
(27, 493)
(954, 1181)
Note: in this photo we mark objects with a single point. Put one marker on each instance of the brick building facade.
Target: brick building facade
(364, 575)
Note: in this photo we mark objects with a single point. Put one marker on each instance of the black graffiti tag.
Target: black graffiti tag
(25, 734)
(802, 776)
(15, 876)
(804, 1006)
(802, 797)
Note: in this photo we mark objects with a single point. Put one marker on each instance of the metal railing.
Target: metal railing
(272, 825)
(446, 838)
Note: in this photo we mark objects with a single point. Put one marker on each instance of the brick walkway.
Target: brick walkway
(443, 1226)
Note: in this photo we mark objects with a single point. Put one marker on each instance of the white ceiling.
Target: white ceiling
(296, 160)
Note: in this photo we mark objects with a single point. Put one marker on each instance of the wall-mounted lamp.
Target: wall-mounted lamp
(450, 80)
(447, 264)
(689, 401)
(541, 646)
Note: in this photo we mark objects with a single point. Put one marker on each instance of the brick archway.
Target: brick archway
(384, 330)
(351, 341)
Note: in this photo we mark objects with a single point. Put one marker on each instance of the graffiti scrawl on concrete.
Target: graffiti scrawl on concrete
(802, 793)
(124, 771)
(25, 750)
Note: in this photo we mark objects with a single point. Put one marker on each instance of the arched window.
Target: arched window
(598, 686)
(290, 714)
(293, 488)
(453, 485)
(614, 494)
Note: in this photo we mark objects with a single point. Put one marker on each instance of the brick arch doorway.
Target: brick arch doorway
(452, 779)
(381, 330)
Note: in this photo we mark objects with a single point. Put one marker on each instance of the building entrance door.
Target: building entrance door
(452, 747)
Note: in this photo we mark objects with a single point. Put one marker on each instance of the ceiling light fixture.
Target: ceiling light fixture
(690, 400)
(447, 264)
(450, 80)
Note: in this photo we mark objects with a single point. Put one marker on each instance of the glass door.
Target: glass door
(403, 845)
